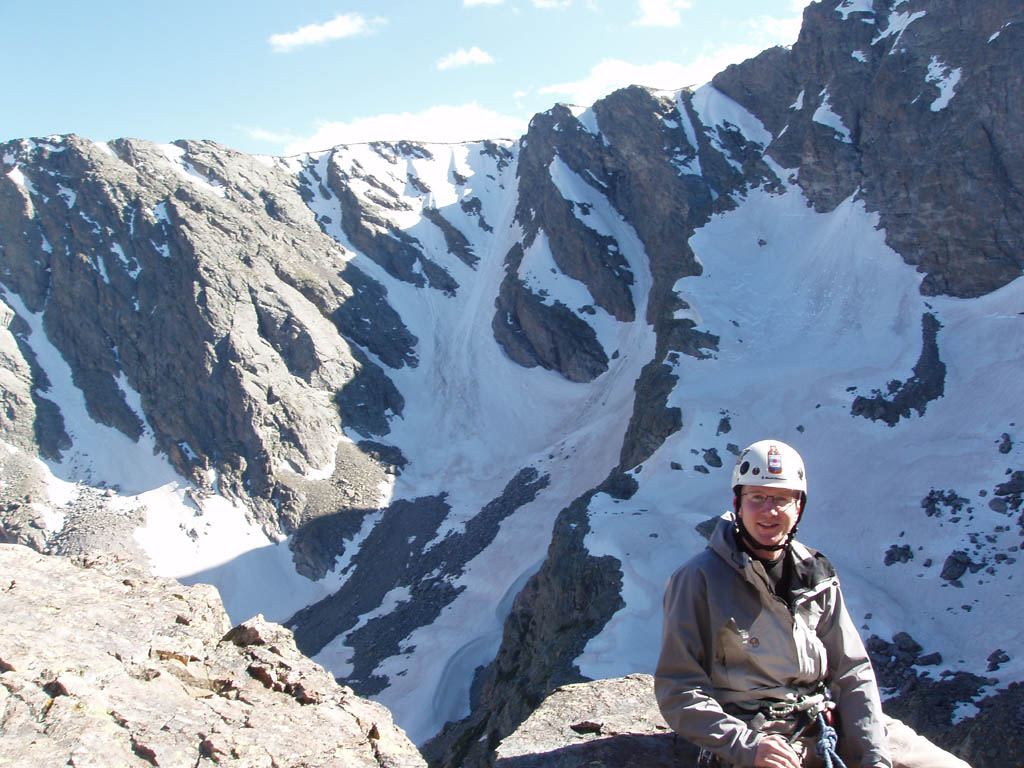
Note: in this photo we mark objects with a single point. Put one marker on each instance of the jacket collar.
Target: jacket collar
(811, 568)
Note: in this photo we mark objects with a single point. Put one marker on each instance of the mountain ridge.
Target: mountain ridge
(316, 343)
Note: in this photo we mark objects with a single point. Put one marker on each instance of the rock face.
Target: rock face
(186, 294)
(993, 737)
(104, 665)
(534, 333)
(925, 125)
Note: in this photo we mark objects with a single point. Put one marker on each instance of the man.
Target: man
(759, 654)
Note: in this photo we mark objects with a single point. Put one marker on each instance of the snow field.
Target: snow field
(493, 418)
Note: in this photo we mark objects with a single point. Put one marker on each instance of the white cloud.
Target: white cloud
(661, 13)
(271, 137)
(441, 124)
(777, 31)
(612, 74)
(552, 3)
(342, 25)
(463, 58)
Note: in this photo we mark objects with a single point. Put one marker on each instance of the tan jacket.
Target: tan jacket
(729, 641)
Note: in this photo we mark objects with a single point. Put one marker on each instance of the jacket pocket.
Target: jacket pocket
(736, 645)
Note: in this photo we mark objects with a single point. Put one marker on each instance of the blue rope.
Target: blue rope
(827, 743)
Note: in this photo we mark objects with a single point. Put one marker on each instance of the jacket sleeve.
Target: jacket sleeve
(852, 680)
(682, 683)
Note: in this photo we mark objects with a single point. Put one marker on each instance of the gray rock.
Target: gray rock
(243, 342)
(954, 210)
(898, 554)
(365, 223)
(608, 722)
(578, 251)
(711, 458)
(453, 238)
(992, 738)
(104, 665)
(928, 383)
(534, 333)
(401, 551)
(956, 565)
(653, 420)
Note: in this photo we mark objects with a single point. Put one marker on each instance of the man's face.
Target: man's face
(768, 514)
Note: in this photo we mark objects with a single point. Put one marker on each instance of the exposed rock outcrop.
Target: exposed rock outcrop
(533, 332)
(399, 253)
(161, 270)
(923, 124)
(993, 737)
(104, 665)
(608, 722)
(927, 383)
(635, 162)
(579, 252)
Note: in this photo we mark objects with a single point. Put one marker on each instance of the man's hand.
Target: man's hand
(773, 751)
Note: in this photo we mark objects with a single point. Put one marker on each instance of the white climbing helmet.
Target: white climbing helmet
(770, 463)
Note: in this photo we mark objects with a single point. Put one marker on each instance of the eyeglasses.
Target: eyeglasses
(764, 499)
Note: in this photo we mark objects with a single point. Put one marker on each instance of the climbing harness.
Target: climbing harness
(812, 704)
(817, 707)
(813, 709)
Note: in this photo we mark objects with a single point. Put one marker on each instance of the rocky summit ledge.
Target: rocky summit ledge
(102, 664)
(603, 723)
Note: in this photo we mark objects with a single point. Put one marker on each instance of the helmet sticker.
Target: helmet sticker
(770, 463)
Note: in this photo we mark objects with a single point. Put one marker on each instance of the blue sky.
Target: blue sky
(281, 78)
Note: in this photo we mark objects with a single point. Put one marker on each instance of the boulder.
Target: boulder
(607, 722)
